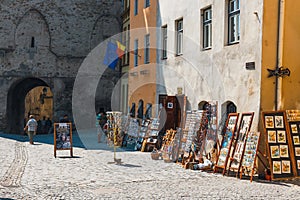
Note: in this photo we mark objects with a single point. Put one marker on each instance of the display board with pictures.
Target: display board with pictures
(133, 128)
(144, 128)
(212, 116)
(153, 128)
(293, 117)
(223, 155)
(278, 144)
(63, 137)
(248, 163)
(192, 125)
(239, 145)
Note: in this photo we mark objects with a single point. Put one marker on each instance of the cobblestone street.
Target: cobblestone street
(31, 172)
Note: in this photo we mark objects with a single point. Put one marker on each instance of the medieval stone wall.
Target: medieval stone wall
(47, 41)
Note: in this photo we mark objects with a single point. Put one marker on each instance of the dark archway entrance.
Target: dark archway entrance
(16, 103)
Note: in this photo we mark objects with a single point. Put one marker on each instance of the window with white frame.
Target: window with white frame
(207, 28)
(179, 36)
(136, 7)
(136, 46)
(147, 3)
(147, 49)
(233, 21)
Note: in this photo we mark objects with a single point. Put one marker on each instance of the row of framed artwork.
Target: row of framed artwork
(239, 146)
(282, 130)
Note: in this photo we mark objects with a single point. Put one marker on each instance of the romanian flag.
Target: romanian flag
(121, 49)
(111, 56)
(114, 51)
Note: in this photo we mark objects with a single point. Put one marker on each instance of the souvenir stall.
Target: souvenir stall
(115, 135)
(282, 140)
(131, 137)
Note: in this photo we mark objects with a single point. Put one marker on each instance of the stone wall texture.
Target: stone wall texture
(43, 43)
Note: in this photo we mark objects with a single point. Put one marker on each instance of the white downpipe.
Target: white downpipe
(280, 53)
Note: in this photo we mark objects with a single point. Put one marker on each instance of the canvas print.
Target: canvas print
(271, 136)
(276, 167)
(63, 140)
(279, 122)
(281, 136)
(286, 166)
(296, 140)
(297, 151)
(275, 152)
(284, 151)
(294, 128)
(269, 121)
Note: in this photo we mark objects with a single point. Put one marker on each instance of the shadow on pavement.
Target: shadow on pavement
(45, 138)
(129, 165)
(67, 157)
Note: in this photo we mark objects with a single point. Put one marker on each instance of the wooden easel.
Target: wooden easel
(57, 130)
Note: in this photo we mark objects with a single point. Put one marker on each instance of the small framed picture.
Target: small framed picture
(269, 121)
(296, 140)
(170, 105)
(294, 128)
(271, 136)
(298, 164)
(279, 122)
(284, 151)
(281, 136)
(275, 152)
(297, 151)
(286, 166)
(276, 167)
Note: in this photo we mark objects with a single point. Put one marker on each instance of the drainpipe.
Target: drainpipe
(279, 54)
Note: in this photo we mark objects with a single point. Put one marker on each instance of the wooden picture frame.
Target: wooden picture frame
(226, 143)
(239, 146)
(293, 117)
(248, 163)
(280, 151)
(63, 137)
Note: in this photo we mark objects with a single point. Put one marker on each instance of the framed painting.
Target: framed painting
(239, 146)
(226, 143)
(279, 144)
(248, 163)
(63, 137)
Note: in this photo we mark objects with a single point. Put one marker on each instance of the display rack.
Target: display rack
(222, 158)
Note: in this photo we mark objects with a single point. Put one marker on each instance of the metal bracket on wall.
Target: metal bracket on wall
(280, 72)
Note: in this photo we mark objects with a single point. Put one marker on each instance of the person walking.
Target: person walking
(31, 127)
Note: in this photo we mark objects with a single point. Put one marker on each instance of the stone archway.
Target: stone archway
(16, 102)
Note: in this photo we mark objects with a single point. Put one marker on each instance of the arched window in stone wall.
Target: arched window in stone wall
(32, 31)
(105, 27)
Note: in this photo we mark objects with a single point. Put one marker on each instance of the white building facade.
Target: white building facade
(212, 51)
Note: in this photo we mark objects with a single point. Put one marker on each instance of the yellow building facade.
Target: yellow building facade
(142, 67)
(280, 48)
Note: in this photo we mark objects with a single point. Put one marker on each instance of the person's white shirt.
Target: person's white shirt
(32, 124)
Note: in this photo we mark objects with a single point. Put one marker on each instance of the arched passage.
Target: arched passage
(16, 102)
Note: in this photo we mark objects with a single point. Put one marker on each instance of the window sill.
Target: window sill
(206, 48)
(233, 43)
